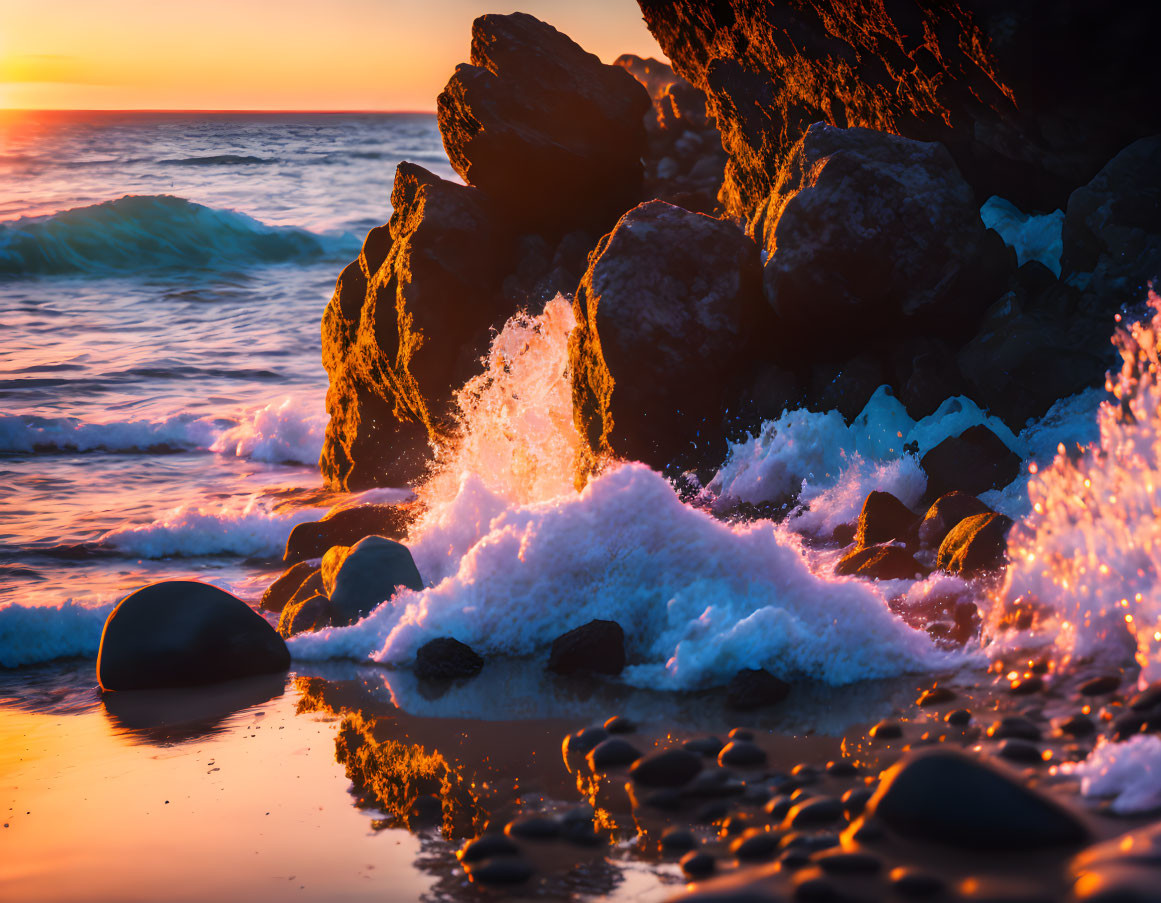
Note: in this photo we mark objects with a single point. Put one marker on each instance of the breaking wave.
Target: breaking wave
(136, 232)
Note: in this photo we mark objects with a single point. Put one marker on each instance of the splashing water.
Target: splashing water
(1089, 555)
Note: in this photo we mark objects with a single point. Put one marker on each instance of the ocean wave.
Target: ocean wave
(218, 160)
(30, 634)
(160, 231)
(287, 431)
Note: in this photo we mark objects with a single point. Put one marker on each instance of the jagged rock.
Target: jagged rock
(310, 586)
(667, 313)
(755, 688)
(283, 589)
(180, 633)
(874, 234)
(881, 562)
(976, 546)
(974, 461)
(546, 129)
(445, 658)
(406, 327)
(945, 512)
(1112, 230)
(883, 519)
(1031, 100)
(943, 795)
(598, 646)
(359, 577)
(306, 615)
(345, 527)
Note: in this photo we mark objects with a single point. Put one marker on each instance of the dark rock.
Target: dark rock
(445, 658)
(487, 846)
(915, 884)
(704, 746)
(598, 646)
(740, 733)
(1017, 750)
(179, 633)
(855, 800)
(717, 782)
(671, 768)
(814, 812)
(883, 519)
(847, 386)
(713, 811)
(283, 589)
(667, 291)
(311, 586)
(358, 578)
(876, 235)
(345, 527)
(935, 696)
(945, 513)
(973, 462)
(882, 562)
(778, 806)
(533, 827)
(1078, 726)
(742, 753)
(501, 870)
(847, 862)
(698, 864)
(584, 740)
(942, 795)
(843, 768)
(755, 688)
(666, 799)
(1099, 686)
(976, 546)
(306, 615)
(1026, 686)
(543, 127)
(618, 724)
(1014, 727)
(678, 840)
(755, 845)
(407, 326)
(612, 753)
(959, 717)
(886, 730)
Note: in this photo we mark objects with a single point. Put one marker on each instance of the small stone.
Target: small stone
(667, 800)
(671, 768)
(598, 646)
(501, 870)
(1099, 686)
(612, 753)
(698, 864)
(620, 725)
(843, 768)
(886, 730)
(1015, 727)
(821, 810)
(844, 862)
(487, 846)
(915, 883)
(1078, 726)
(778, 807)
(1015, 750)
(736, 823)
(805, 774)
(533, 827)
(935, 696)
(755, 845)
(855, 800)
(704, 746)
(752, 689)
(958, 717)
(740, 733)
(812, 886)
(742, 753)
(1027, 686)
(446, 658)
(678, 840)
(584, 740)
(711, 812)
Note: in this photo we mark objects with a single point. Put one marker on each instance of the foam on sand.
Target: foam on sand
(1128, 772)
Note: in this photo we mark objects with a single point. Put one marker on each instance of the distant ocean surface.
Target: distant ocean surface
(162, 279)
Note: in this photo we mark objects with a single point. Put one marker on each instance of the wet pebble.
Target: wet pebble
(704, 746)
(698, 864)
(711, 812)
(736, 824)
(935, 696)
(741, 753)
(855, 800)
(671, 768)
(584, 740)
(612, 753)
(1027, 686)
(886, 730)
(618, 724)
(778, 807)
(805, 774)
(502, 870)
(847, 862)
(1078, 726)
(958, 717)
(814, 812)
(843, 768)
(740, 733)
(676, 839)
(755, 845)
(487, 846)
(719, 782)
(915, 883)
(1017, 750)
(1016, 727)
(1099, 686)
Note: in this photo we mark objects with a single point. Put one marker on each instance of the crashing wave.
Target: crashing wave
(136, 232)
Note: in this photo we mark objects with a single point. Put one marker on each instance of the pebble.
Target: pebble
(698, 864)
(778, 807)
(755, 845)
(618, 724)
(847, 862)
(667, 799)
(740, 733)
(935, 696)
(805, 774)
(711, 812)
(502, 870)
(1099, 686)
(1078, 726)
(704, 746)
(886, 730)
(671, 768)
(742, 753)
(1016, 750)
(855, 800)
(1027, 686)
(677, 839)
(958, 717)
(1016, 727)
(821, 810)
(843, 768)
(915, 883)
(584, 740)
(487, 846)
(533, 827)
(612, 753)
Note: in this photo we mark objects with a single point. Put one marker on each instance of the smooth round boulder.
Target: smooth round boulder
(358, 578)
(180, 633)
(445, 658)
(597, 647)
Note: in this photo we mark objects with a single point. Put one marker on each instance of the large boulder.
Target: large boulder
(974, 461)
(406, 327)
(282, 590)
(597, 647)
(873, 235)
(1031, 99)
(180, 633)
(976, 546)
(546, 129)
(359, 577)
(345, 527)
(668, 315)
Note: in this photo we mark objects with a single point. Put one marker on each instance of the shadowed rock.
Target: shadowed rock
(306, 615)
(974, 461)
(945, 512)
(976, 546)
(755, 688)
(546, 129)
(345, 527)
(183, 634)
(283, 589)
(883, 519)
(598, 646)
(881, 562)
(445, 658)
(358, 578)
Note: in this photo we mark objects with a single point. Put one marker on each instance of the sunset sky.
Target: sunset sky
(257, 54)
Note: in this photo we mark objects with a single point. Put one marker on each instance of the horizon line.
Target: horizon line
(203, 110)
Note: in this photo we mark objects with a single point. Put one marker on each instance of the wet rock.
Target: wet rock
(876, 235)
(778, 806)
(671, 768)
(486, 847)
(847, 862)
(283, 589)
(915, 884)
(358, 578)
(814, 812)
(311, 586)
(742, 753)
(958, 717)
(598, 646)
(976, 546)
(619, 724)
(1014, 727)
(755, 688)
(1026, 686)
(678, 840)
(533, 827)
(1099, 686)
(973, 462)
(855, 801)
(1078, 726)
(550, 132)
(884, 519)
(755, 845)
(612, 753)
(306, 615)
(740, 733)
(945, 513)
(408, 323)
(180, 633)
(704, 746)
(886, 730)
(501, 871)
(942, 795)
(1017, 750)
(446, 658)
(882, 562)
(843, 768)
(584, 740)
(935, 696)
(667, 291)
(698, 864)
(345, 527)
(717, 782)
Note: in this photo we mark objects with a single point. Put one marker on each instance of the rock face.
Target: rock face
(977, 545)
(344, 527)
(406, 327)
(666, 315)
(358, 578)
(545, 128)
(183, 634)
(1030, 100)
(883, 519)
(866, 230)
(946, 796)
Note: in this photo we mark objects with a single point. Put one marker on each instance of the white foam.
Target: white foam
(30, 634)
(1129, 772)
(285, 431)
(821, 510)
(1033, 237)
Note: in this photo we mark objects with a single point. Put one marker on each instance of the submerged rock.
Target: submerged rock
(358, 578)
(977, 545)
(180, 633)
(344, 527)
(942, 795)
(543, 127)
(667, 316)
(974, 461)
(446, 658)
(755, 688)
(598, 646)
(881, 562)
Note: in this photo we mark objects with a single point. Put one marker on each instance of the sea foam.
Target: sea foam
(1032, 236)
(30, 634)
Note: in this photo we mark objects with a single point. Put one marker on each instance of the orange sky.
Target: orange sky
(262, 54)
